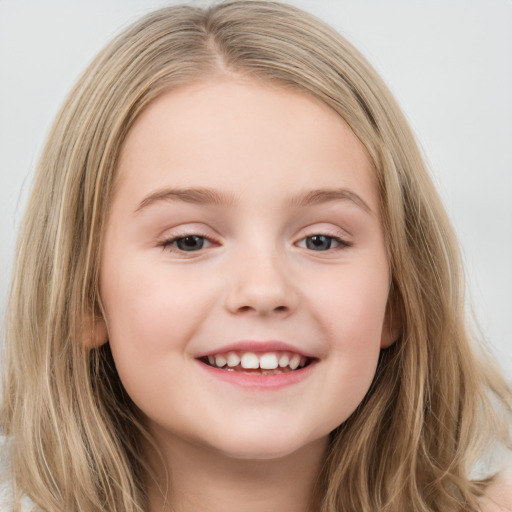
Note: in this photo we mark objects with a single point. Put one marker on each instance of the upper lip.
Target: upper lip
(257, 347)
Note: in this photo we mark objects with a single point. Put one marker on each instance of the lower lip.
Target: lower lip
(258, 381)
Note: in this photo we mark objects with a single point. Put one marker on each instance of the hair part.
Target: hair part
(77, 441)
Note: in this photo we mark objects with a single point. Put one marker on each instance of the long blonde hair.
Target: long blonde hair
(74, 436)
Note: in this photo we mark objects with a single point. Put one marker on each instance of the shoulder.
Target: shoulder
(5, 497)
(498, 496)
(7, 501)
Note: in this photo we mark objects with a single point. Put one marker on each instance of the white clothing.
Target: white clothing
(6, 500)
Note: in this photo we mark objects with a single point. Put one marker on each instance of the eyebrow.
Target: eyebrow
(208, 196)
(327, 195)
(194, 195)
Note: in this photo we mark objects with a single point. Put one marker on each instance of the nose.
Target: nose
(261, 284)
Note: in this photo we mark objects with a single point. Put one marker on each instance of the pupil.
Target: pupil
(190, 243)
(319, 242)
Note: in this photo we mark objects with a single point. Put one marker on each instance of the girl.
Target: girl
(236, 288)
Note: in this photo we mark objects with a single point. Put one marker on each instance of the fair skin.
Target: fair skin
(498, 496)
(245, 226)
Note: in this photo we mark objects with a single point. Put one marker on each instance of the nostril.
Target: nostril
(261, 298)
(277, 309)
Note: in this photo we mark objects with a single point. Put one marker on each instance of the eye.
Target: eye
(189, 243)
(322, 243)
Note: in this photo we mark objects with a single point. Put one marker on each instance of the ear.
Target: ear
(95, 332)
(393, 324)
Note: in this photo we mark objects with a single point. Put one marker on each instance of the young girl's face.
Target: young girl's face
(245, 228)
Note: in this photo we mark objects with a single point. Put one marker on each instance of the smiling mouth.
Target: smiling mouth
(267, 363)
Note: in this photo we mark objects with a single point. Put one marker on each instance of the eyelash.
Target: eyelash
(342, 243)
(169, 243)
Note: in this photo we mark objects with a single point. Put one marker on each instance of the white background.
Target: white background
(448, 62)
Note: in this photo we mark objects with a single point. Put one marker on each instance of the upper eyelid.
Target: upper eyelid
(182, 232)
(305, 232)
(334, 232)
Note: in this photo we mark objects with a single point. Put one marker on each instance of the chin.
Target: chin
(269, 447)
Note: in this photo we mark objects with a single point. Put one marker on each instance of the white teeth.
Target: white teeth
(268, 361)
(294, 362)
(220, 361)
(284, 360)
(233, 359)
(250, 360)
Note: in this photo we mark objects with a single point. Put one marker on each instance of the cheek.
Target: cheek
(149, 309)
(351, 310)
(151, 316)
(351, 306)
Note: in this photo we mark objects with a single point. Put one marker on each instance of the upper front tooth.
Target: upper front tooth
(268, 361)
(283, 361)
(294, 361)
(233, 359)
(250, 360)
(220, 361)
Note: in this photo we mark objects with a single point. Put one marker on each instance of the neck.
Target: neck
(202, 479)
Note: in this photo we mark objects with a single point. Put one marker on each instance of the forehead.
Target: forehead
(239, 134)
